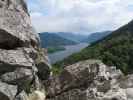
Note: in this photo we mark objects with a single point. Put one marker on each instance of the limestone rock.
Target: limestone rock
(90, 80)
(7, 92)
(21, 77)
(78, 75)
(22, 67)
(15, 58)
(15, 25)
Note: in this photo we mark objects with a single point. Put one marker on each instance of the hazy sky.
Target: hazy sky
(81, 16)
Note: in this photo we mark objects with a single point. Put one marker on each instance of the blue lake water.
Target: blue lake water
(58, 56)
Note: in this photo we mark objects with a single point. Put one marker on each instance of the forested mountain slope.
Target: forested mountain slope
(54, 40)
(115, 49)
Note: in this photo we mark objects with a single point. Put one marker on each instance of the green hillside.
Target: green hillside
(54, 40)
(115, 50)
(96, 36)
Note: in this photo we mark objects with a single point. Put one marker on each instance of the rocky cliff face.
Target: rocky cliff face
(90, 80)
(21, 58)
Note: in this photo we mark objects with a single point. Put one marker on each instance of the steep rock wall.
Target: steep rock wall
(21, 58)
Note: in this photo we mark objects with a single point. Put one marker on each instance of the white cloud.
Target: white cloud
(80, 15)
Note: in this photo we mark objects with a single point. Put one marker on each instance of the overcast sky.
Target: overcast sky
(80, 16)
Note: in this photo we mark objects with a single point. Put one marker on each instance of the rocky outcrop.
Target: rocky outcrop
(23, 64)
(15, 26)
(90, 80)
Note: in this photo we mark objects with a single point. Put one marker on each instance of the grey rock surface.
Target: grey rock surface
(20, 56)
(15, 25)
(90, 80)
(22, 96)
(80, 75)
(15, 58)
(7, 92)
(21, 77)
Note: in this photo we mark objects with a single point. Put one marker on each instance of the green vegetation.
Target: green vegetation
(114, 50)
(96, 36)
(54, 40)
(55, 49)
(56, 70)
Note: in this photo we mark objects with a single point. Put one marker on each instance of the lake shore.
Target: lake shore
(69, 50)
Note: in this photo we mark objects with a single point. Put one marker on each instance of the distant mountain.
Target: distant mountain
(72, 36)
(54, 40)
(93, 37)
(115, 49)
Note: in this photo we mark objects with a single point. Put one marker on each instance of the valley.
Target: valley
(62, 59)
(116, 49)
(61, 45)
(69, 50)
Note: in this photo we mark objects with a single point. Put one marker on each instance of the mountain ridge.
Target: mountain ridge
(54, 40)
(93, 37)
(114, 50)
(72, 36)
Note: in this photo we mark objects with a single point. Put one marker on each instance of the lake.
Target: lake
(58, 56)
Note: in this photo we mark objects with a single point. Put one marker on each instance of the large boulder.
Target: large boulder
(81, 74)
(88, 80)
